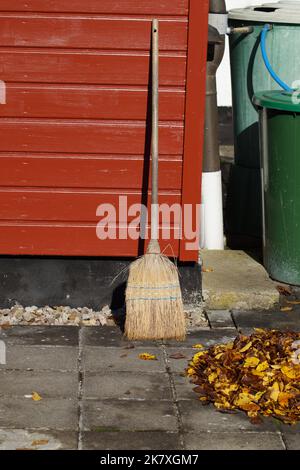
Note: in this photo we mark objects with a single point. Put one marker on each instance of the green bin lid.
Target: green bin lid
(278, 99)
(284, 12)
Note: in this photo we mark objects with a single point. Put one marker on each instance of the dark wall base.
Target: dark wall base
(77, 282)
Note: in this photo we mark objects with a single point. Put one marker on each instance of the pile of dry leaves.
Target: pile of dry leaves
(259, 374)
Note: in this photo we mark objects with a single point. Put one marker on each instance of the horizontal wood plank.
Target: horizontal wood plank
(70, 240)
(87, 67)
(89, 102)
(76, 172)
(73, 133)
(85, 137)
(96, 32)
(158, 7)
(73, 205)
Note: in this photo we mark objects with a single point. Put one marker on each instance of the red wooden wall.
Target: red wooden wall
(73, 131)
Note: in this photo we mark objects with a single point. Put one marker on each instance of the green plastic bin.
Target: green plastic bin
(248, 72)
(279, 118)
(250, 76)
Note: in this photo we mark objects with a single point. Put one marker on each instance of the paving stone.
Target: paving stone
(41, 357)
(126, 385)
(268, 319)
(289, 429)
(40, 335)
(233, 441)
(220, 319)
(183, 388)
(128, 415)
(13, 439)
(117, 359)
(49, 413)
(198, 418)
(146, 440)
(292, 441)
(110, 336)
(206, 338)
(16, 383)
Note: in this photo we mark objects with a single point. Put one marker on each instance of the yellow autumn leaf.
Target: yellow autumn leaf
(198, 346)
(258, 396)
(262, 366)
(40, 442)
(274, 391)
(251, 361)
(207, 270)
(258, 373)
(147, 357)
(244, 401)
(231, 388)
(290, 372)
(279, 412)
(283, 398)
(218, 356)
(212, 377)
(266, 379)
(35, 396)
(199, 354)
(286, 309)
(245, 348)
(223, 405)
(191, 372)
(259, 330)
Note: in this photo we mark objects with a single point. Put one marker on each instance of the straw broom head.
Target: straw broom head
(154, 308)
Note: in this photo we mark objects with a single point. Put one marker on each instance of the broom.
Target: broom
(154, 308)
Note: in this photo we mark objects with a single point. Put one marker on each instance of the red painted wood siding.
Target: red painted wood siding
(74, 132)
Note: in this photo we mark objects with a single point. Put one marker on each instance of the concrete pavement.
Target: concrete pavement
(97, 394)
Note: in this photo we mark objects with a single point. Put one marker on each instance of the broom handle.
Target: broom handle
(155, 121)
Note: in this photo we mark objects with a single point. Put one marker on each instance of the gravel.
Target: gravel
(19, 315)
(83, 316)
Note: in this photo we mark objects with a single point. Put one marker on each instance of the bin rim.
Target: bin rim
(288, 13)
(278, 99)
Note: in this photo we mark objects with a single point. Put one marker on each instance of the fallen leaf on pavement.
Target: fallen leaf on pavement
(198, 346)
(207, 270)
(293, 302)
(35, 396)
(286, 309)
(251, 362)
(147, 357)
(245, 348)
(177, 356)
(40, 442)
(24, 448)
(284, 290)
(124, 355)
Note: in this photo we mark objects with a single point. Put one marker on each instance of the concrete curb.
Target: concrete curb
(234, 280)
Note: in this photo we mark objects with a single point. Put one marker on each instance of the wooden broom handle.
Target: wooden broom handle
(155, 122)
